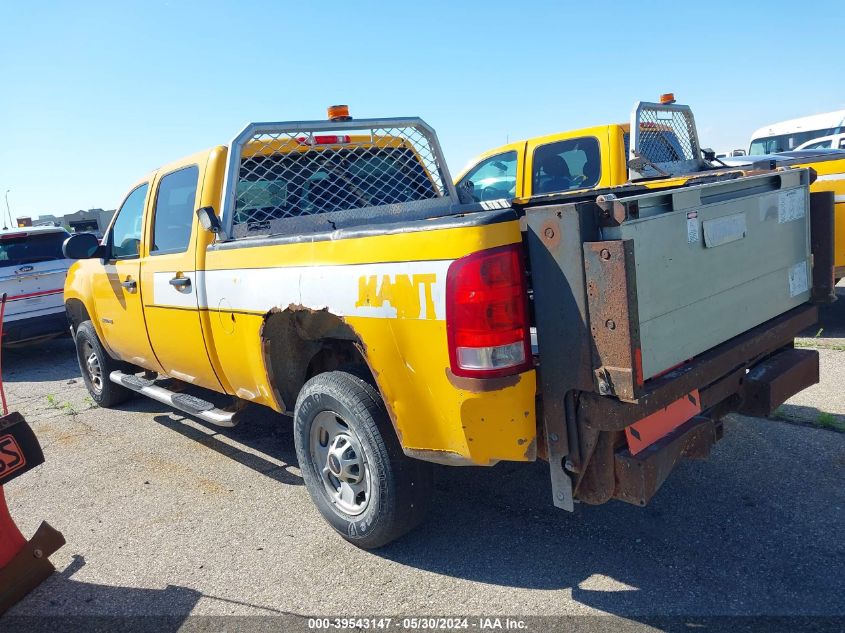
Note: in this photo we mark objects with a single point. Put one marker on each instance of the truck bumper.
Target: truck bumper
(752, 374)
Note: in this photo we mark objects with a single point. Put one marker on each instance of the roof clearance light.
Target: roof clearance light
(323, 139)
(339, 113)
(667, 98)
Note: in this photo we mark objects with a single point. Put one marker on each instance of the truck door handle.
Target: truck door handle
(180, 283)
(130, 284)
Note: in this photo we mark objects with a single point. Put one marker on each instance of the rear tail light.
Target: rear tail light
(487, 314)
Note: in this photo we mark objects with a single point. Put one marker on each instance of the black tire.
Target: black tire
(102, 390)
(399, 489)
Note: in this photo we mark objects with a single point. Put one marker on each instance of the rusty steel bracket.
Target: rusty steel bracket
(639, 477)
(30, 567)
(772, 382)
(596, 483)
(821, 245)
(613, 211)
(555, 235)
(610, 272)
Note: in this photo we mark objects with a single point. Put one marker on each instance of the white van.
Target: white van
(795, 133)
(32, 274)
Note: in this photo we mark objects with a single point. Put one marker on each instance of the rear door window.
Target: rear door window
(174, 211)
(20, 249)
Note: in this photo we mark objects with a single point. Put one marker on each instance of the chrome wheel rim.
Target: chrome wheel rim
(337, 454)
(92, 366)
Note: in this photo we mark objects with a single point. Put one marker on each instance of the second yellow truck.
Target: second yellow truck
(579, 161)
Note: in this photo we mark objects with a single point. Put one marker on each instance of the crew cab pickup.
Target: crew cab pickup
(328, 270)
(580, 161)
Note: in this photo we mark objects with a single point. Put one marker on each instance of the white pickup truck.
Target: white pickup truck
(32, 276)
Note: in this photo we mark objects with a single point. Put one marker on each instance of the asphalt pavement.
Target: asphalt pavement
(165, 515)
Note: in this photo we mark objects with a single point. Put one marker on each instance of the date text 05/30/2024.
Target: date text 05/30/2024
(417, 623)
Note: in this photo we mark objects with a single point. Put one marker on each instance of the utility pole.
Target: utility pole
(9, 213)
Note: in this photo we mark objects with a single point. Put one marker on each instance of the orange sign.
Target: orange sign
(12, 458)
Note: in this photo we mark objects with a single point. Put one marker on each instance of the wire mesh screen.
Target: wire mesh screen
(285, 174)
(666, 137)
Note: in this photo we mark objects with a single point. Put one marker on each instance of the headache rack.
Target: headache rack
(324, 175)
(664, 141)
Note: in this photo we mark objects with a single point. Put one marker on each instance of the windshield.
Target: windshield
(295, 184)
(785, 142)
(28, 249)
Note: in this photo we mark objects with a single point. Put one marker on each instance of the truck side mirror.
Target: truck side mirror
(209, 220)
(81, 246)
(466, 188)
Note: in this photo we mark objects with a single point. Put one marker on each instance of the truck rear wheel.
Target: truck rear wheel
(96, 365)
(352, 463)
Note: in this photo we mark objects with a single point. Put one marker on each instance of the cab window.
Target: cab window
(125, 238)
(493, 178)
(174, 211)
(564, 165)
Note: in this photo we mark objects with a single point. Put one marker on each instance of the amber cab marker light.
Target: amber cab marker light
(667, 98)
(339, 113)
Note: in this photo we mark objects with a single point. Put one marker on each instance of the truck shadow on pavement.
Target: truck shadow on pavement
(754, 530)
(265, 449)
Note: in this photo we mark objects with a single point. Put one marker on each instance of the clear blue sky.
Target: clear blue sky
(95, 94)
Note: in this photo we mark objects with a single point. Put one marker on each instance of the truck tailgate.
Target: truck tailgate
(626, 288)
(712, 261)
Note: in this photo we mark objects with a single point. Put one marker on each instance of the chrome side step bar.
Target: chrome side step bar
(192, 405)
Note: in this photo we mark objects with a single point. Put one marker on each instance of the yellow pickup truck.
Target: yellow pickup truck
(595, 158)
(328, 270)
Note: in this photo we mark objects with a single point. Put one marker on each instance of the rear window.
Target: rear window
(29, 249)
(562, 165)
(296, 184)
